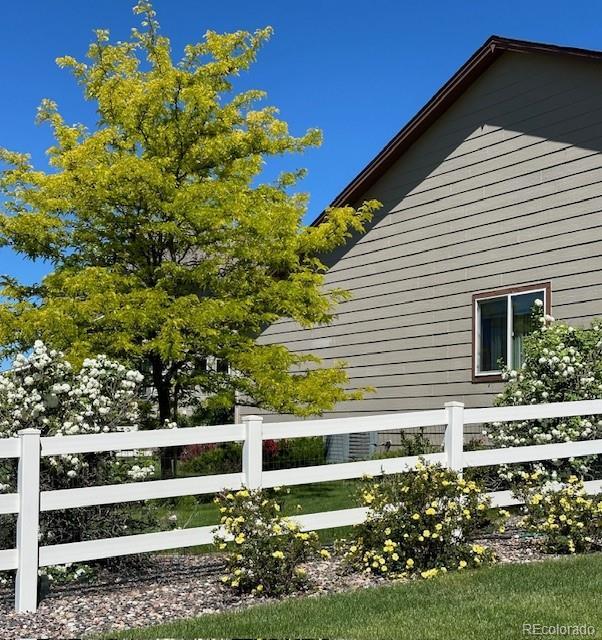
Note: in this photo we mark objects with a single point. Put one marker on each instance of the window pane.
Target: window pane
(493, 333)
(522, 323)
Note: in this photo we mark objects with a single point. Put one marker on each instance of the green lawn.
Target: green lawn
(324, 496)
(491, 603)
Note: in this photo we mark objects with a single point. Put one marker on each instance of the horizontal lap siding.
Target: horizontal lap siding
(505, 189)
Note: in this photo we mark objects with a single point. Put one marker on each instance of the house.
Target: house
(492, 197)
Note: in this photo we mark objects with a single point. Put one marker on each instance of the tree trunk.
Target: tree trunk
(168, 454)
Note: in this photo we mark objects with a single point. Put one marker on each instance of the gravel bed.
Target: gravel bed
(170, 587)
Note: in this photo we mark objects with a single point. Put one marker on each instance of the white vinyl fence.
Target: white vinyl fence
(29, 447)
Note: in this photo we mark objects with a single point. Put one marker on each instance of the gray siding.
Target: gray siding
(505, 189)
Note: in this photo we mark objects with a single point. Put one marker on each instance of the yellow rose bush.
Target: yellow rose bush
(421, 523)
(267, 549)
(566, 518)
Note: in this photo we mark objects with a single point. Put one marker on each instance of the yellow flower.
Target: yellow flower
(462, 564)
(416, 516)
(430, 511)
(229, 497)
(276, 528)
(426, 533)
(259, 588)
(325, 553)
(481, 506)
(409, 563)
(278, 555)
(368, 498)
(387, 531)
(478, 548)
(353, 548)
(431, 573)
(234, 583)
(438, 527)
(242, 494)
(240, 538)
(395, 556)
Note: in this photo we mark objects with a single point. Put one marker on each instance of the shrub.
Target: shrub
(414, 444)
(561, 363)
(568, 520)
(66, 573)
(227, 457)
(211, 459)
(267, 548)
(422, 522)
(296, 452)
(42, 390)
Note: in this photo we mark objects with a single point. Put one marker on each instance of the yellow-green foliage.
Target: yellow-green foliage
(267, 548)
(568, 520)
(167, 247)
(421, 523)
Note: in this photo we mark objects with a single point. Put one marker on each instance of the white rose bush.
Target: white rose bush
(43, 390)
(561, 363)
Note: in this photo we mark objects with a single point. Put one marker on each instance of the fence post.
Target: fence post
(252, 452)
(454, 435)
(26, 586)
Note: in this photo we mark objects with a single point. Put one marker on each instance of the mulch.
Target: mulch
(170, 587)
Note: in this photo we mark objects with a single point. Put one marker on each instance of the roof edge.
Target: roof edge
(493, 47)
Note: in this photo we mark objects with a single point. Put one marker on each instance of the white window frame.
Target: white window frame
(477, 323)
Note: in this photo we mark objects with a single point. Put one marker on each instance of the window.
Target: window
(501, 320)
(222, 366)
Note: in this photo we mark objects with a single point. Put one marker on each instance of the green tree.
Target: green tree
(166, 247)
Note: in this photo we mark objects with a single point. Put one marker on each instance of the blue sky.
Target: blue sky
(357, 70)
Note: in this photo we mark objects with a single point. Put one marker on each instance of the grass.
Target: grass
(491, 603)
(324, 496)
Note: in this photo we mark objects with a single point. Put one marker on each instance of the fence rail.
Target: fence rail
(29, 448)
